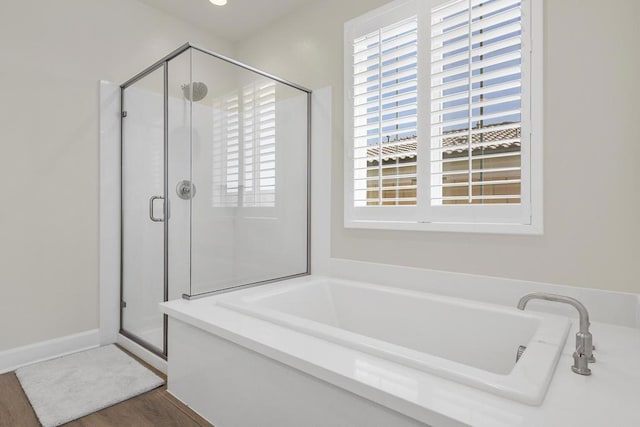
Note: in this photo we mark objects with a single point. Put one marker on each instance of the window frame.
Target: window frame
(524, 218)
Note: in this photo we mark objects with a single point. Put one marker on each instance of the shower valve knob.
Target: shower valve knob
(186, 190)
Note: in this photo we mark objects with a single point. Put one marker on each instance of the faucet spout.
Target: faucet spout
(584, 340)
(582, 310)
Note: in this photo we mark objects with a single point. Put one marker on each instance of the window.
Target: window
(385, 115)
(441, 129)
(259, 145)
(244, 141)
(226, 151)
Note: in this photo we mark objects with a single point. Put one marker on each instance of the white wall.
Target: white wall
(53, 55)
(592, 236)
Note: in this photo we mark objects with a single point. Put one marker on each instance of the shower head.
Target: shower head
(198, 89)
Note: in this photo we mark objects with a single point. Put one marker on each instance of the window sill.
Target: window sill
(486, 228)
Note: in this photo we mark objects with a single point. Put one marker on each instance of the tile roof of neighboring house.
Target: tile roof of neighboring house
(503, 138)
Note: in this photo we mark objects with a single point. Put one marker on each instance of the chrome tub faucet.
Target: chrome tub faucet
(584, 340)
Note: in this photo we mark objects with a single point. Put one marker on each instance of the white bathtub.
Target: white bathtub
(468, 342)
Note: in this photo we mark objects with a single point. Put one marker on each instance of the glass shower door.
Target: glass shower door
(196, 121)
(143, 210)
(249, 161)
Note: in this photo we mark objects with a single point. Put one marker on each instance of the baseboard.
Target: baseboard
(185, 404)
(15, 358)
(144, 354)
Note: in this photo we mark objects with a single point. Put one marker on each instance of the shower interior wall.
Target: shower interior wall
(214, 242)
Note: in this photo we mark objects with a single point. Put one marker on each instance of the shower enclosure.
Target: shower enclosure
(214, 185)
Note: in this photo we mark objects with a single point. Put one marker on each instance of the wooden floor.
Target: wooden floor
(155, 408)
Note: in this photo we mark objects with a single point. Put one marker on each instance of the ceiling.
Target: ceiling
(235, 21)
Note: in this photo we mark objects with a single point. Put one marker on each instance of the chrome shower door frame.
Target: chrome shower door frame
(165, 215)
(164, 64)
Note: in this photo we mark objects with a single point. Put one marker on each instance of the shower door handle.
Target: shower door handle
(151, 200)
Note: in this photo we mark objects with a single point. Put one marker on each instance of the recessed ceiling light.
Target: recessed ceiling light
(218, 2)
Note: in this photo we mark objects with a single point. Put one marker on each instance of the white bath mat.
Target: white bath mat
(70, 387)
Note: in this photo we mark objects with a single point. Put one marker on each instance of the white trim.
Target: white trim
(321, 125)
(537, 116)
(464, 227)
(10, 360)
(109, 266)
(144, 354)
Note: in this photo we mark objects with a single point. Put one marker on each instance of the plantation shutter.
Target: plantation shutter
(244, 147)
(476, 103)
(226, 151)
(385, 89)
(259, 145)
(441, 101)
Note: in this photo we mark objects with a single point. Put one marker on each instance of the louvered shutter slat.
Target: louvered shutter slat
(475, 143)
(259, 142)
(385, 115)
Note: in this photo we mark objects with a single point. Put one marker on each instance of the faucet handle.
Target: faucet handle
(584, 345)
(580, 364)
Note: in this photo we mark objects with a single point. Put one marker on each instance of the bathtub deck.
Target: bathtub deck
(571, 399)
(154, 408)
